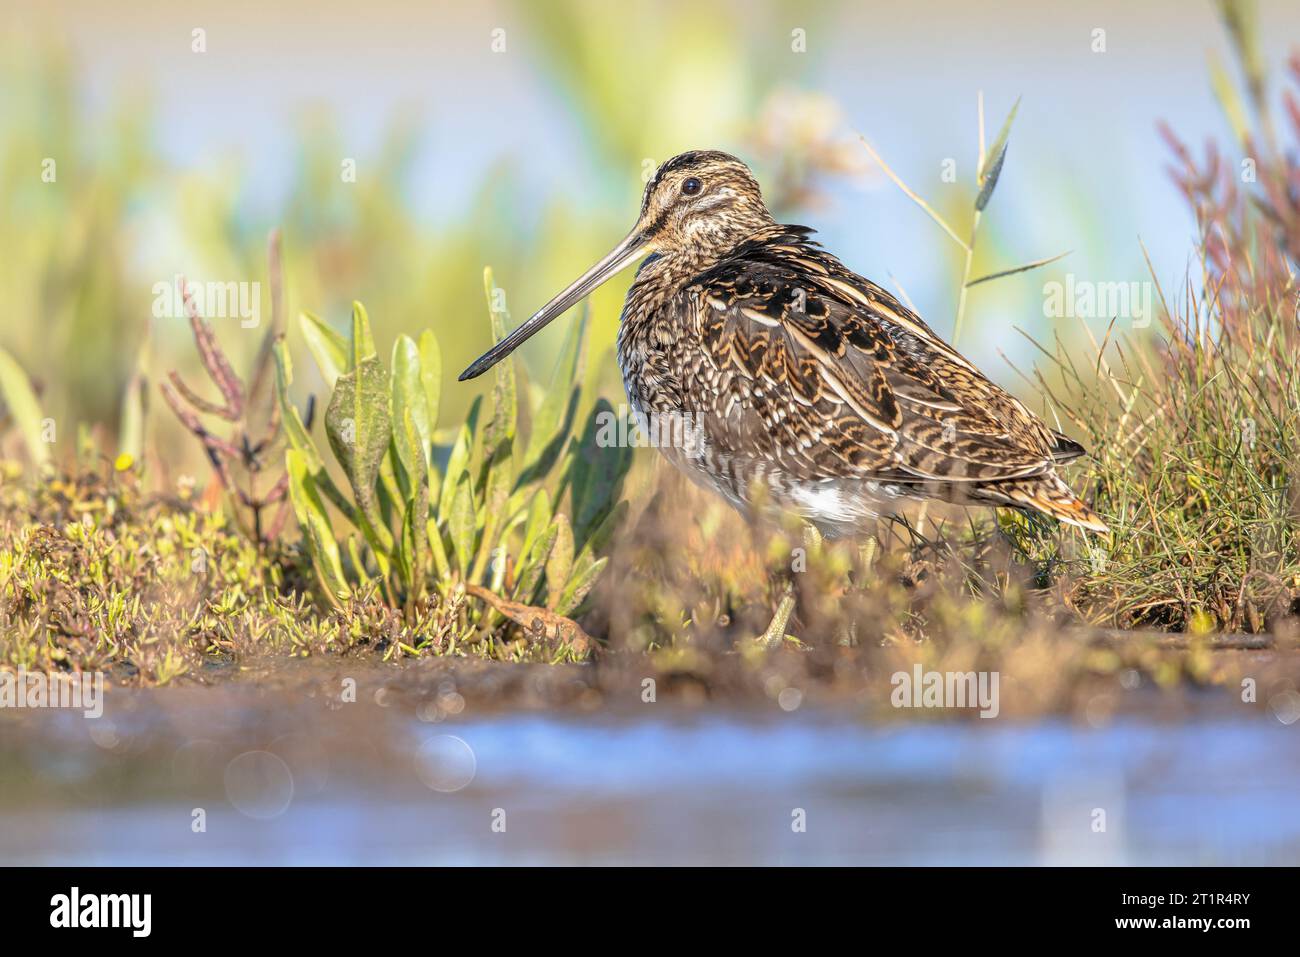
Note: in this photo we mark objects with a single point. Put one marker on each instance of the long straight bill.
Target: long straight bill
(622, 256)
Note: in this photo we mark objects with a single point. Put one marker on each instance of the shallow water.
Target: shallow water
(311, 784)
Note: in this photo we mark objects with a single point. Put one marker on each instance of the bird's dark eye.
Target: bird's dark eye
(691, 186)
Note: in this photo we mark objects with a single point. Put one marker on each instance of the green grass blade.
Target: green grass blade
(20, 398)
(328, 347)
(315, 525)
(1022, 268)
(913, 196)
(989, 172)
(431, 375)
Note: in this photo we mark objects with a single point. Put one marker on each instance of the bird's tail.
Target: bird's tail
(1046, 494)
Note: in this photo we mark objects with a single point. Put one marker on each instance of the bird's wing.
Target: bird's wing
(828, 376)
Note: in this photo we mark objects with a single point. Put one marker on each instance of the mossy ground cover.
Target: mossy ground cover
(96, 575)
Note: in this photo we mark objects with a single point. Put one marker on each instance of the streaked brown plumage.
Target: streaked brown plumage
(799, 377)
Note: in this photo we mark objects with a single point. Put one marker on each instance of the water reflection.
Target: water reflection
(380, 785)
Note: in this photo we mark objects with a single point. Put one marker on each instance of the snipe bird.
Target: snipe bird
(803, 381)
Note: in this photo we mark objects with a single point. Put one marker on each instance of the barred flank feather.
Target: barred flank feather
(1046, 494)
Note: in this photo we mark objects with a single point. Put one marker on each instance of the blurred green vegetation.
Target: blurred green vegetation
(83, 252)
(65, 276)
(86, 239)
